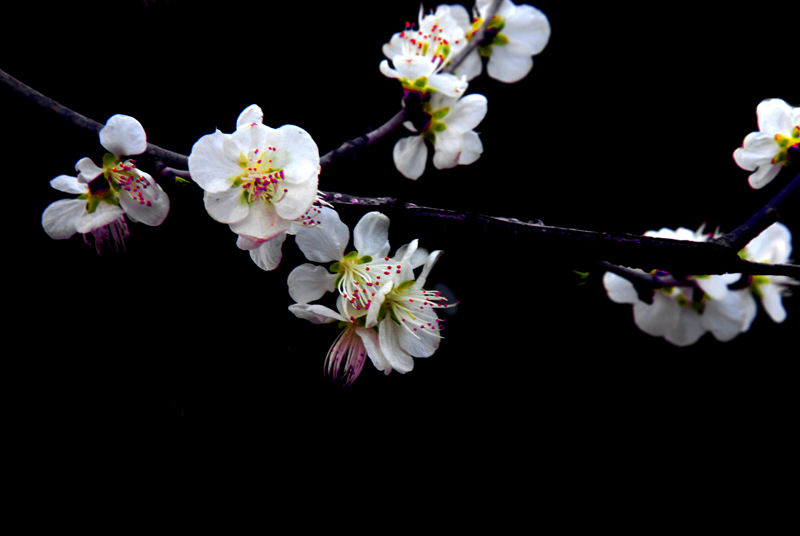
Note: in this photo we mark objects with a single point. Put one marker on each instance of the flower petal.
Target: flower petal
(509, 63)
(371, 235)
(316, 314)
(774, 117)
(261, 222)
(153, 214)
(327, 240)
(123, 135)
(87, 170)
(103, 215)
(268, 254)
(309, 282)
(70, 185)
(251, 114)
(209, 165)
(764, 175)
(58, 219)
(227, 206)
(410, 155)
(389, 338)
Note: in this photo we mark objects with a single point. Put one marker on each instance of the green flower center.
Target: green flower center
(491, 37)
(785, 143)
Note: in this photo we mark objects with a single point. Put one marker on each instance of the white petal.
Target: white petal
(70, 185)
(371, 235)
(715, 286)
(316, 314)
(371, 342)
(509, 63)
(764, 175)
(102, 216)
(389, 338)
(659, 318)
(688, 330)
(87, 170)
(251, 114)
(297, 198)
(774, 117)
(528, 27)
(209, 165)
(471, 149)
(467, 113)
(410, 155)
(153, 214)
(309, 282)
(326, 241)
(262, 221)
(619, 289)
(726, 318)
(123, 135)
(772, 301)
(424, 344)
(268, 254)
(227, 206)
(58, 219)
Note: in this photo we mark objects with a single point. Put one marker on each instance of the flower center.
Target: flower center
(786, 143)
(359, 278)
(491, 36)
(259, 179)
(124, 176)
(415, 309)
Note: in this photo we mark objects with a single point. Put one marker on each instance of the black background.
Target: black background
(626, 123)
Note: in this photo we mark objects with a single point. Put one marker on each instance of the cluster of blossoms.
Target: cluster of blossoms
(772, 147)
(724, 305)
(384, 311)
(440, 114)
(261, 181)
(101, 205)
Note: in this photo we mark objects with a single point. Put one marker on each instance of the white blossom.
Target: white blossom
(449, 127)
(258, 179)
(767, 150)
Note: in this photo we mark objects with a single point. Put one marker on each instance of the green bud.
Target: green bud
(365, 259)
(334, 268)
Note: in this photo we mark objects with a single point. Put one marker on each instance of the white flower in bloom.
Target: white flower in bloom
(257, 179)
(514, 34)
(100, 210)
(355, 275)
(97, 213)
(767, 150)
(405, 313)
(772, 246)
(354, 343)
(682, 314)
(449, 128)
(419, 55)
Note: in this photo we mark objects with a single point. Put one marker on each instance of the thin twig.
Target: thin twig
(769, 214)
(648, 253)
(477, 37)
(170, 157)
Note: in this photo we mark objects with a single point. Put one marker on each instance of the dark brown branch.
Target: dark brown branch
(678, 257)
(647, 253)
(769, 214)
(170, 157)
(477, 37)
